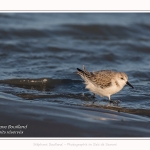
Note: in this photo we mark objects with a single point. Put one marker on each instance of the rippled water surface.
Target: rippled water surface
(39, 54)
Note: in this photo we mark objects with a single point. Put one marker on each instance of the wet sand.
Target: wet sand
(41, 119)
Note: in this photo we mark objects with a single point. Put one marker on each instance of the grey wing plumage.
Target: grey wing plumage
(99, 78)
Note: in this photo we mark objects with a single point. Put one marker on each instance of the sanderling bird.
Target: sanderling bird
(104, 82)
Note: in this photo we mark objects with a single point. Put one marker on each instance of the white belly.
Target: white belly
(103, 92)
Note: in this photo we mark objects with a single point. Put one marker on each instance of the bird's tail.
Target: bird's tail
(83, 73)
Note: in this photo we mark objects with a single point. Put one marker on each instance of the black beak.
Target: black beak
(129, 84)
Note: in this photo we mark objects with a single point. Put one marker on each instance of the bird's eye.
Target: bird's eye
(121, 78)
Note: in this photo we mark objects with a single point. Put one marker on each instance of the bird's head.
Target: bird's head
(122, 79)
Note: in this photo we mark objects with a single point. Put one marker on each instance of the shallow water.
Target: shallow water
(40, 53)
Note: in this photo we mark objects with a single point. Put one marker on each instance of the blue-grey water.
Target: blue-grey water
(39, 54)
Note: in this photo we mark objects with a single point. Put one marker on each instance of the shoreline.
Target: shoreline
(69, 121)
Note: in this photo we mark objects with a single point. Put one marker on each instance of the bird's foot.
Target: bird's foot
(94, 101)
(93, 96)
(116, 102)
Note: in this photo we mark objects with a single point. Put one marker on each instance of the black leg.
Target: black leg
(93, 96)
(110, 101)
